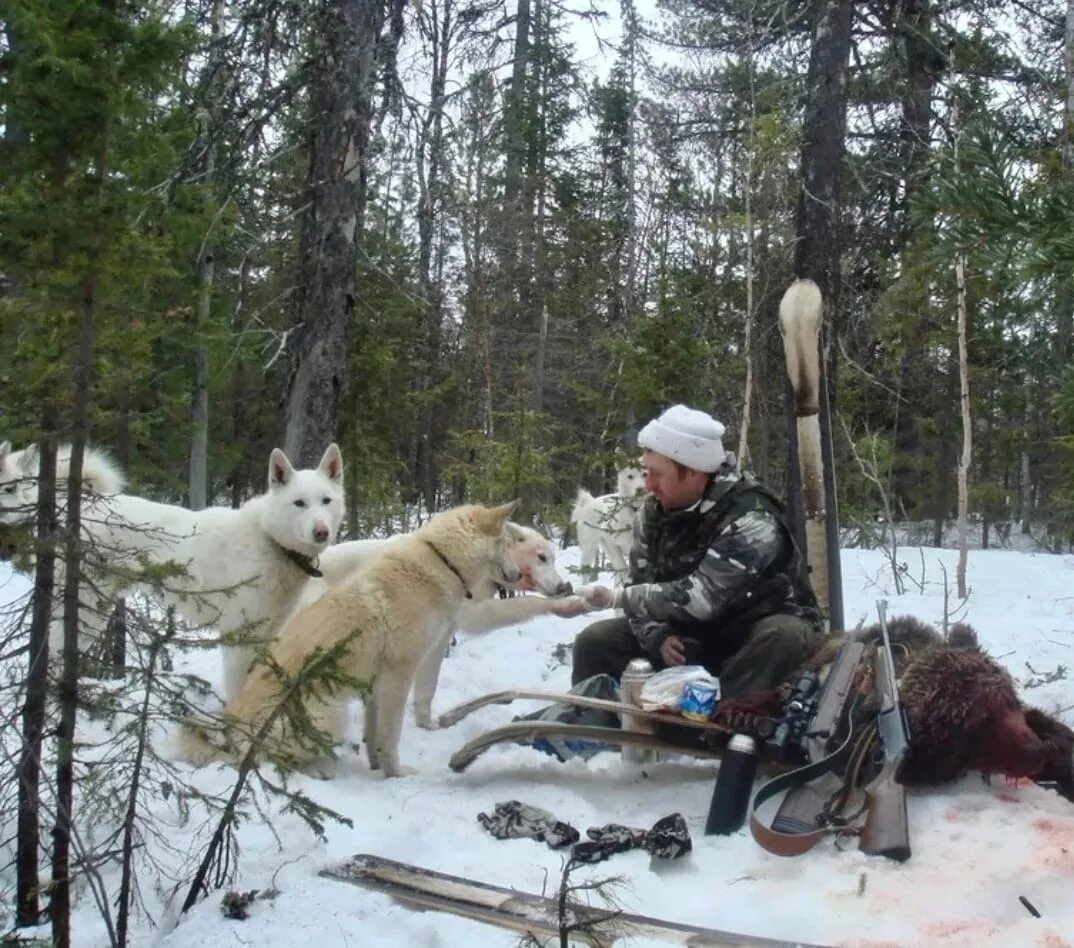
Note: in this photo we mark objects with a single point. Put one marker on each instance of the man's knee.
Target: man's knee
(775, 648)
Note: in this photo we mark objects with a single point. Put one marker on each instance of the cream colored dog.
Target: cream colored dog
(535, 557)
(377, 624)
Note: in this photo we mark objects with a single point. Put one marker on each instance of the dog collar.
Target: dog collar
(308, 564)
(450, 566)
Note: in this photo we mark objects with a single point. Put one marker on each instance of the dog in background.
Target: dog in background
(380, 622)
(606, 523)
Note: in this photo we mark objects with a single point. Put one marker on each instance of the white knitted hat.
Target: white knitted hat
(686, 435)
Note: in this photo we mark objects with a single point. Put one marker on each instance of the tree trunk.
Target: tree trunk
(340, 127)
(60, 905)
(967, 428)
(28, 879)
(198, 470)
(817, 231)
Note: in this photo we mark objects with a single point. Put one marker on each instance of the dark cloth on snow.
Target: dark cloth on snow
(669, 837)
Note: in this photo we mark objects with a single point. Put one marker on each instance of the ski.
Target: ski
(528, 731)
(456, 714)
(523, 912)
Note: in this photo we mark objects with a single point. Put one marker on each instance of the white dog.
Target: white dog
(240, 571)
(379, 623)
(607, 522)
(19, 473)
(535, 558)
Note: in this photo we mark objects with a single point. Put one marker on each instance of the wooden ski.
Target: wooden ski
(523, 912)
(456, 714)
(528, 731)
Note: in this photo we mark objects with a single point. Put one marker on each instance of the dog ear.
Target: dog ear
(280, 470)
(331, 465)
(28, 459)
(515, 532)
(493, 518)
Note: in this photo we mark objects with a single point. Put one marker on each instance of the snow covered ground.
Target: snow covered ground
(976, 848)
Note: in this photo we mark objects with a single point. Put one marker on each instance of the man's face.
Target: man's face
(675, 489)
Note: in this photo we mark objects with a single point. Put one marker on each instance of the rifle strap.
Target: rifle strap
(793, 842)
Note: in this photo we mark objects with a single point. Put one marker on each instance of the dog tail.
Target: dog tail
(583, 500)
(100, 474)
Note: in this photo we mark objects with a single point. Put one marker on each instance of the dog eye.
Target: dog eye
(326, 500)
(543, 557)
(9, 489)
(300, 503)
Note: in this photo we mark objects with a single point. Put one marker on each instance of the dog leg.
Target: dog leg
(425, 681)
(369, 731)
(236, 660)
(389, 694)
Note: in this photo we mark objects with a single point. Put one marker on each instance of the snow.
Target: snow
(976, 847)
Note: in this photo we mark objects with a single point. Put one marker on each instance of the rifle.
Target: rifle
(802, 818)
(886, 831)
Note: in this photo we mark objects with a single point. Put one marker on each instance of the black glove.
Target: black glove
(605, 841)
(669, 838)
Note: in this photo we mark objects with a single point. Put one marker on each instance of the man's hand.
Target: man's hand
(600, 597)
(672, 651)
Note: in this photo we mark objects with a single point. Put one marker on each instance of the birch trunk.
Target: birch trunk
(967, 428)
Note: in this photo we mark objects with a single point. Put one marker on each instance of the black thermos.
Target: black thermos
(734, 783)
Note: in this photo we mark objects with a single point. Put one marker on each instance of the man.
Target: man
(715, 575)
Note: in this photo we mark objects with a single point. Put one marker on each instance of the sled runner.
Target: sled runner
(529, 731)
(456, 714)
(524, 912)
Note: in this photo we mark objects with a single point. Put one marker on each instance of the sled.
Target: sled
(524, 912)
(456, 714)
(529, 730)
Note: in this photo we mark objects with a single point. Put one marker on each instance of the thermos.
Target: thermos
(734, 784)
(634, 676)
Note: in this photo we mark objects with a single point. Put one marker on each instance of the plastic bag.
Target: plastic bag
(663, 691)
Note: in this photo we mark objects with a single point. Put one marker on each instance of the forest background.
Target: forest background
(429, 231)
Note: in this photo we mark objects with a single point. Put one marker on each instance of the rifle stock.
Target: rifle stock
(887, 828)
(802, 807)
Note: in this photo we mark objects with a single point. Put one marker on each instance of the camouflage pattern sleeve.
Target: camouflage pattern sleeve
(733, 562)
(650, 634)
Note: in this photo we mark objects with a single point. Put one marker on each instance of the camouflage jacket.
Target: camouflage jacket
(722, 564)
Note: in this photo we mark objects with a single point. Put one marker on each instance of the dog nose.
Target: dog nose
(320, 533)
(564, 589)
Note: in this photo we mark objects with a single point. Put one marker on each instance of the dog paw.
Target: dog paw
(425, 720)
(570, 607)
(399, 771)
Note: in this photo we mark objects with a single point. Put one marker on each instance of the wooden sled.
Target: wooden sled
(527, 731)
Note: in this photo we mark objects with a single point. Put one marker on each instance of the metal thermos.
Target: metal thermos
(734, 784)
(634, 676)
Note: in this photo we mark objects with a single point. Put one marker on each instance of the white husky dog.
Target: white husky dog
(380, 621)
(19, 472)
(607, 522)
(533, 554)
(242, 570)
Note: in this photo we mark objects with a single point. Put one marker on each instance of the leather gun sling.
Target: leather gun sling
(794, 844)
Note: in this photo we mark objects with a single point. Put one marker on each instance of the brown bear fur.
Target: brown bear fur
(962, 708)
